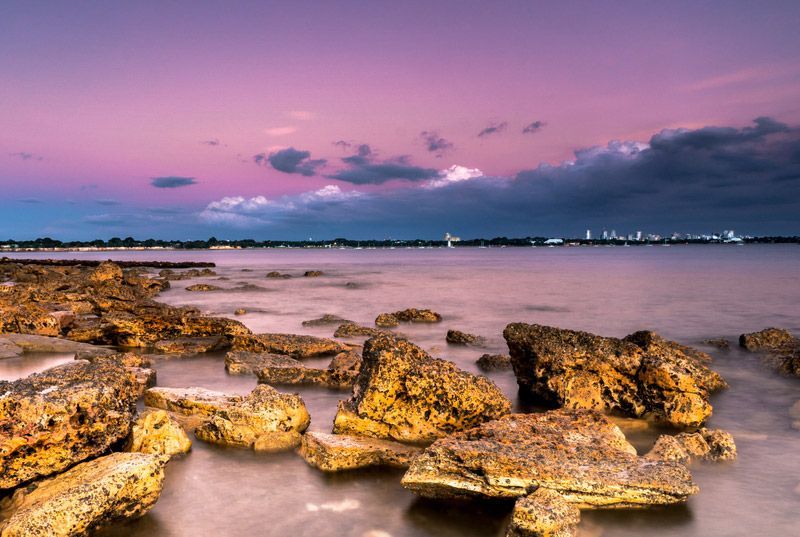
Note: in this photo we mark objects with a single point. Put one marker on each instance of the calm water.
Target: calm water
(687, 293)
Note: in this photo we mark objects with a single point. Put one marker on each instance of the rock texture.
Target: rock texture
(578, 453)
(544, 513)
(93, 494)
(325, 320)
(52, 420)
(294, 345)
(457, 337)
(12, 345)
(704, 444)
(281, 369)
(350, 329)
(402, 393)
(278, 369)
(410, 315)
(203, 287)
(494, 362)
(155, 432)
(780, 348)
(336, 453)
(642, 374)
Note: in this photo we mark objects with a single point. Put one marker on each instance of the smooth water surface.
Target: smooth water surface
(686, 293)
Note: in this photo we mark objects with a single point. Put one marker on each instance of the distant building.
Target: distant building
(638, 235)
(605, 235)
(588, 234)
(451, 239)
(613, 234)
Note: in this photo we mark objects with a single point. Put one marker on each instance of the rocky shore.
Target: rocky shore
(76, 455)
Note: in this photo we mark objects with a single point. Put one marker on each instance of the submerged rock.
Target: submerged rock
(89, 496)
(203, 287)
(239, 311)
(781, 349)
(52, 420)
(336, 452)
(155, 432)
(350, 329)
(705, 444)
(403, 394)
(276, 274)
(456, 337)
(313, 273)
(410, 315)
(578, 453)
(294, 345)
(642, 374)
(719, 342)
(544, 513)
(494, 362)
(325, 320)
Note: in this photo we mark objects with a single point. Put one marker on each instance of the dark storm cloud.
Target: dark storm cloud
(364, 169)
(494, 128)
(172, 181)
(534, 127)
(435, 143)
(290, 160)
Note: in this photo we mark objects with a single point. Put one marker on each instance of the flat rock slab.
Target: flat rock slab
(642, 374)
(12, 345)
(336, 453)
(93, 494)
(52, 420)
(294, 345)
(189, 401)
(401, 393)
(190, 345)
(578, 453)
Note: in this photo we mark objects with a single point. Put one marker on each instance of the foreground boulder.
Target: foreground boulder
(642, 374)
(339, 452)
(93, 494)
(780, 348)
(704, 444)
(156, 433)
(410, 315)
(52, 420)
(544, 513)
(578, 453)
(294, 345)
(402, 393)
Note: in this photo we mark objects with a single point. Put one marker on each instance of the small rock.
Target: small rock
(494, 362)
(411, 315)
(146, 378)
(203, 287)
(720, 343)
(456, 337)
(190, 345)
(705, 444)
(279, 369)
(313, 273)
(325, 320)
(344, 368)
(544, 513)
(189, 401)
(239, 311)
(335, 453)
(780, 348)
(350, 329)
(294, 345)
(155, 432)
(278, 275)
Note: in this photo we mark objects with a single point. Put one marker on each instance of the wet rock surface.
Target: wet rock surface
(326, 320)
(577, 453)
(640, 375)
(456, 337)
(402, 393)
(294, 345)
(190, 345)
(350, 329)
(278, 275)
(89, 496)
(781, 350)
(544, 513)
(12, 345)
(156, 433)
(494, 362)
(704, 444)
(410, 315)
(52, 420)
(336, 453)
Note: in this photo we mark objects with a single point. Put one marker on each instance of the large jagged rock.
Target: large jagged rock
(780, 348)
(265, 420)
(642, 374)
(402, 393)
(410, 315)
(49, 421)
(155, 432)
(704, 444)
(93, 494)
(544, 513)
(339, 452)
(578, 453)
(294, 345)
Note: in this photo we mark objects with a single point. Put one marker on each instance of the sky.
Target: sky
(372, 119)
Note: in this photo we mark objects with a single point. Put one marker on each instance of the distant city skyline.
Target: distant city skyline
(367, 119)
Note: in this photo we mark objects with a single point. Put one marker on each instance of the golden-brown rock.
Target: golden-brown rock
(155, 432)
(704, 444)
(294, 345)
(544, 513)
(577, 453)
(52, 420)
(402, 393)
(410, 315)
(189, 401)
(339, 452)
(93, 494)
(781, 349)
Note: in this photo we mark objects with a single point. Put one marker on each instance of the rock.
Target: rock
(325, 320)
(344, 368)
(239, 311)
(705, 444)
(350, 329)
(89, 496)
(336, 453)
(190, 345)
(125, 359)
(780, 348)
(544, 513)
(276, 274)
(402, 393)
(293, 345)
(640, 375)
(266, 419)
(794, 412)
(456, 337)
(52, 420)
(720, 343)
(313, 273)
(494, 362)
(578, 453)
(145, 377)
(203, 287)
(15, 344)
(155, 432)
(411, 315)
(189, 401)
(104, 272)
(280, 369)
(28, 318)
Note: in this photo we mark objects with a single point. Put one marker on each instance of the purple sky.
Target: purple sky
(98, 101)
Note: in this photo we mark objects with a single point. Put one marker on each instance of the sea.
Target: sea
(688, 293)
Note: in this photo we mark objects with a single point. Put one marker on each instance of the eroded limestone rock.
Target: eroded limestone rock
(294, 345)
(780, 348)
(544, 513)
(336, 453)
(705, 444)
(410, 315)
(155, 432)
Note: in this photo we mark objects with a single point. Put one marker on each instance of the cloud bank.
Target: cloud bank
(172, 181)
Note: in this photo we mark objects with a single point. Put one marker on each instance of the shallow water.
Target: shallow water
(686, 293)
